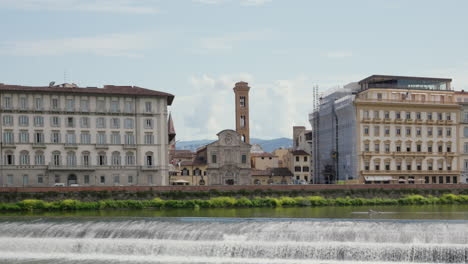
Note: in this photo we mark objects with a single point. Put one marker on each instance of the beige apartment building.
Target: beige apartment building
(407, 130)
(462, 100)
(298, 162)
(68, 135)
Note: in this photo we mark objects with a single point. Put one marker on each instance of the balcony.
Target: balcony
(8, 145)
(377, 119)
(149, 168)
(404, 101)
(102, 146)
(409, 121)
(366, 119)
(430, 121)
(70, 168)
(39, 145)
(71, 146)
(387, 120)
(398, 120)
(409, 172)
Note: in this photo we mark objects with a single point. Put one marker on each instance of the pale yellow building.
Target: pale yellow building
(263, 161)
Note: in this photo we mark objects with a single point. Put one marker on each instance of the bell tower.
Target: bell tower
(241, 91)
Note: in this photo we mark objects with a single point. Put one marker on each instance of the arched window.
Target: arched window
(130, 158)
(56, 159)
(101, 158)
(149, 160)
(185, 172)
(115, 158)
(24, 157)
(71, 159)
(85, 158)
(9, 158)
(39, 158)
(197, 172)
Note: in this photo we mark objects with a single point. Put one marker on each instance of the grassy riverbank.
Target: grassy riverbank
(229, 202)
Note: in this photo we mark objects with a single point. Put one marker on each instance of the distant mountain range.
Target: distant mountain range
(268, 145)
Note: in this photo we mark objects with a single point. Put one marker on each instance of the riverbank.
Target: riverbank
(229, 202)
(94, 194)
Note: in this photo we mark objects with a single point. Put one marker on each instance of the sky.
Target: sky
(198, 49)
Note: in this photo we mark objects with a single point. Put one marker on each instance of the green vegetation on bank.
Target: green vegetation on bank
(229, 202)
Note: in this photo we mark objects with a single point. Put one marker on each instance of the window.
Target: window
(408, 131)
(305, 168)
(398, 166)
(387, 115)
(71, 159)
(8, 137)
(8, 120)
(7, 102)
(418, 166)
(418, 131)
(148, 107)
(465, 148)
(465, 131)
(115, 108)
(85, 159)
(101, 105)
(242, 101)
(148, 123)
(408, 166)
(440, 132)
(377, 147)
(25, 179)
(185, 172)
(129, 159)
(377, 165)
(297, 158)
(85, 137)
(56, 159)
(23, 103)
(366, 148)
(213, 158)
(408, 115)
(387, 166)
(244, 159)
(408, 147)
(38, 121)
(429, 131)
(101, 138)
(84, 106)
(398, 148)
(397, 115)
(84, 122)
(439, 116)
(115, 138)
(9, 158)
(128, 107)
(429, 116)
(366, 114)
(376, 131)
(429, 165)
(379, 96)
(70, 105)
(387, 131)
(418, 147)
(100, 122)
(448, 116)
(387, 148)
(128, 123)
(55, 104)
(70, 121)
(115, 158)
(115, 122)
(366, 166)
(103, 179)
(418, 115)
(129, 139)
(305, 159)
(39, 137)
(242, 121)
(23, 136)
(448, 132)
(449, 148)
(398, 131)
(23, 120)
(71, 138)
(376, 114)
(40, 178)
(149, 139)
(130, 179)
(39, 158)
(55, 137)
(102, 159)
(366, 131)
(116, 179)
(297, 169)
(55, 121)
(86, 179)
(24, 158)
(149, 159)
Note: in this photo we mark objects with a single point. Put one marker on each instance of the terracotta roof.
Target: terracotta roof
(186, 163)
(299, 152)
(261, 173)
(107, 89)
(281, 172)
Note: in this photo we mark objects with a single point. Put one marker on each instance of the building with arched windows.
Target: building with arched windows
(68, 135)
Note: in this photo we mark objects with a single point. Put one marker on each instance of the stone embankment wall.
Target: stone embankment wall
(13, 194)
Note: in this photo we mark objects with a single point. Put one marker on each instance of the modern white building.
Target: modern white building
(65, 134)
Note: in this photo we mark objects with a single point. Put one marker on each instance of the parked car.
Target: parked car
(59, 184)
(74, 185)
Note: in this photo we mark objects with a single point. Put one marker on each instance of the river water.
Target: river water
(387, 235)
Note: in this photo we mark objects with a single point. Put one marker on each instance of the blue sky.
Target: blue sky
(198, 49)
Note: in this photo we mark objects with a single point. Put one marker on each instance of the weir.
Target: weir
(231, 241)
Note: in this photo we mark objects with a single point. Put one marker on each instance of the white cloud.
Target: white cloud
(255, 2)
(228, 42)
(339, 54)
(208, 107)
(105, 6)
(125, 45)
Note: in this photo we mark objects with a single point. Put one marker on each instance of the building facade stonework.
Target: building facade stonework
(67, 135)
(228, 160)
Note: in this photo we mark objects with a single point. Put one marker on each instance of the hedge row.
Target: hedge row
(229, 202)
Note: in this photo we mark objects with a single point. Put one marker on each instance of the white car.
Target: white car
(74, 185)
(59, 184)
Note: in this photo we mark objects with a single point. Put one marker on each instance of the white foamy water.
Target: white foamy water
(231, 241)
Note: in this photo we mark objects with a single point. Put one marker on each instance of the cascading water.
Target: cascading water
(189, 240)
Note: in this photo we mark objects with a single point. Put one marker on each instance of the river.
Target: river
(388, 234)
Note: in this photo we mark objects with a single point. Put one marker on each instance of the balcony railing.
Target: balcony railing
(70, 167)
(409, 172)
(402, 101)
(149, 167)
